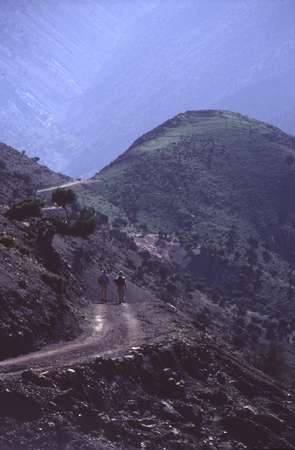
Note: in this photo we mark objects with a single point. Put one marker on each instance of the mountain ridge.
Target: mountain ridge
(184, 133)
(180, 352)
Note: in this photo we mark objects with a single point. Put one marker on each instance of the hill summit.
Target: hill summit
(205, 171)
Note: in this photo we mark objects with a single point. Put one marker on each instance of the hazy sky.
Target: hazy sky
(80, 80)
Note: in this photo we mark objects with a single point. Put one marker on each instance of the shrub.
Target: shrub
(124, 238)
(118, 222)
(143, 227)
(7, 241)
(3, 165)
(101, 218)
(55, 282)
(31, 207)
(63, 197)
(145, 254)
(86, 222)
(83, 226)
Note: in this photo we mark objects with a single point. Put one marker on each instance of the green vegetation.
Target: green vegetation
(30, 207)
(82, 224)
(64, 197)
(202, 172)
(3, 165)
(85, 223)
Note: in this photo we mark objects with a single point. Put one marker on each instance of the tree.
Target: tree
(86, 222)
(63, 197)
(30, 207)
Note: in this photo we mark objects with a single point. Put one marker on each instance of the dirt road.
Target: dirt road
(110, 329)
(68, 185)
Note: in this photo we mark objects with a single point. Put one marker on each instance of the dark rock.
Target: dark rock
(90, 420)
(107, 367)
(270, 421)
(191, 366)
(247, 389)
(217, 396)
(19, 406)
(190, 413)
(168, 411)
(39, 380)
(22, 284)
(221, 377)
(66, 399)
(252, 433)
(168, 358)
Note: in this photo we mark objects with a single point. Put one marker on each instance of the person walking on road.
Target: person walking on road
(120, 282)
(103, 281)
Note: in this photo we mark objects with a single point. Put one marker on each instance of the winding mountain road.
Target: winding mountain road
(111, 329)
(69, 185)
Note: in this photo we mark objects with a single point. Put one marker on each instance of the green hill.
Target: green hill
(222, 185)
(204, 171)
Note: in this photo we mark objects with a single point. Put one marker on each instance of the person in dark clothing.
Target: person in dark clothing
(103, 281)
(120, 282)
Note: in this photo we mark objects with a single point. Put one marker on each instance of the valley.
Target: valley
(198, 216)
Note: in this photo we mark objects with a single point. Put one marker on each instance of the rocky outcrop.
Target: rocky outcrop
(177, 395)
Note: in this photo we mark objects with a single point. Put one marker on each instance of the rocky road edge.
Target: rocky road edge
(182, 394)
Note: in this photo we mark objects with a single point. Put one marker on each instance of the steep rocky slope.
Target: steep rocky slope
(21, 176)
(39, 297)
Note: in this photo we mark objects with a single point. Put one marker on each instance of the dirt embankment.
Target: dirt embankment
(186, 393)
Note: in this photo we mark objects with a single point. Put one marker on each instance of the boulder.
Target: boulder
(168, 411)
(191, 413)
(19, 406)
(270, 421)
(252, 433)
(39, 380)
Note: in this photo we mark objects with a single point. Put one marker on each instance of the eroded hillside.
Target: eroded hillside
(21, 176)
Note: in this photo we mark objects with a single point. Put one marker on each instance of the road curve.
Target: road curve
(69, 184)
(112, 328)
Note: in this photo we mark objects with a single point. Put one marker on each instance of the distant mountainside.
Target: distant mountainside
(221, 187)
(205, 171)
(80, 81)
(21, 176)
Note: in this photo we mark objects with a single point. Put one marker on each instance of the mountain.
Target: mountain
(21, 176)
(205, 171)
(185, 362)
(81, 81)
(211, 192)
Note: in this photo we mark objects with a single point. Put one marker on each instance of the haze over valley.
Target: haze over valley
(81, 81)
